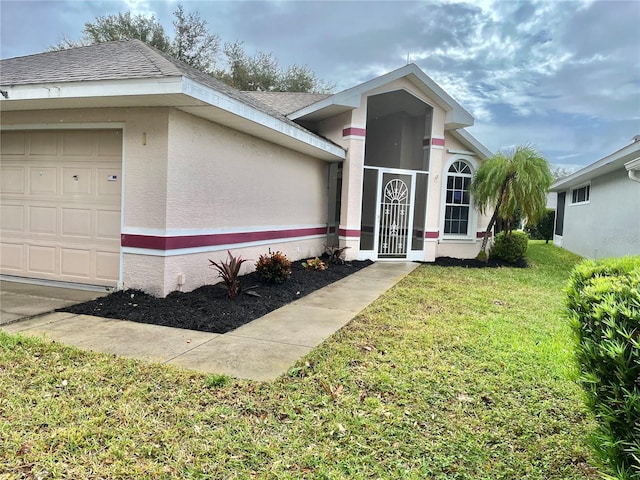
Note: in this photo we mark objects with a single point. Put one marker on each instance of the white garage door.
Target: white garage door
(60, 194)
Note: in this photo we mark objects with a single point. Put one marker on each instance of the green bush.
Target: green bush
(510, 246)
(274, 267)
(543, 230)
(603, 301)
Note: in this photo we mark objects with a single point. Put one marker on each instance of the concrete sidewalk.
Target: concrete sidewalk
(260, 350)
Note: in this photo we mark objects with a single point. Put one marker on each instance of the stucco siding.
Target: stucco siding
(609, 225)
(221, 178)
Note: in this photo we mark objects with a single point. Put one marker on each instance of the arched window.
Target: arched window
(457, 199)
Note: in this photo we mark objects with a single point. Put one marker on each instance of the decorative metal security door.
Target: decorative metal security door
(395, 213)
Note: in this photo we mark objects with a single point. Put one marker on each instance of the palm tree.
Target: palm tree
(508, 180)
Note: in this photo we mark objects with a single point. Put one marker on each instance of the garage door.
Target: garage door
(60, 194)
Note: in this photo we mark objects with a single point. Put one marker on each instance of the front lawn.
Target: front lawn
(454, 373)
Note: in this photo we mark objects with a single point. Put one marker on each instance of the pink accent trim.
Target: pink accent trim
(344, 232)
(438, 142)
(192, 241)
(431, 234)
(481, 234)
(354, 131)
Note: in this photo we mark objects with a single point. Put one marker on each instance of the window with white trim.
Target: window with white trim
(457, 199)
(580, 194)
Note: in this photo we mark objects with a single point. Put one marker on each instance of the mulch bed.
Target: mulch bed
(208, 309)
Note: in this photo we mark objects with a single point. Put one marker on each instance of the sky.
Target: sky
(563, 76)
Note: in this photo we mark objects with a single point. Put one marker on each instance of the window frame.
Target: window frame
(574, 192)
(472, 216)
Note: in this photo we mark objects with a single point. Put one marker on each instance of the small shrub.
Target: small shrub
(230, 272)
(543, 230)
(510, 246)
(603, 301)
(274, 267)
(336, 254)
(314, 264)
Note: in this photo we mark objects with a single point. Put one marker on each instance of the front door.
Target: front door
(395, 214)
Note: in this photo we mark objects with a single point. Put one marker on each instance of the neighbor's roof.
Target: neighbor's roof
(127, 71)
(608, 164)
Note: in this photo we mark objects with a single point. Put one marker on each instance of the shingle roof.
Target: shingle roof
(287, 102)
(118, 60)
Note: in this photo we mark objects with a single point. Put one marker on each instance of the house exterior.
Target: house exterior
(126, 168)
(598, 207)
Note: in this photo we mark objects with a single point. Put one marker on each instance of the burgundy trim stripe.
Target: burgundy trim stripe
(481, 234)
(354, 131)
(438, 142)
(153, 242)
(344, 232)
(431, 234)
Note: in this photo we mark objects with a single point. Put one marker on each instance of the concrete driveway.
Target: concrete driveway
(23, 300)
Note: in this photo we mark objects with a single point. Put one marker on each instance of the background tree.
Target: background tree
(195, 45)
(508, 181)
(122, 26)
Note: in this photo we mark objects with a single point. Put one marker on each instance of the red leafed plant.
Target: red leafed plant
(229, 272)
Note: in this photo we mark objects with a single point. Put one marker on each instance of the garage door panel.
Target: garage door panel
(43, 180)
(60, 205)
(43, 220)
(108, 225)
(107, 266)
(109, 182)
(13, 143)
(42, 259)
(12, 257)
(110, 145)
(76, 181)
(77, 144)
(75, 262)
(43, 143)
(76, 222)
(12, 180)
(12, 218)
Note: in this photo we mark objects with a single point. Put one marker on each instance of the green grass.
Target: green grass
(454, 373)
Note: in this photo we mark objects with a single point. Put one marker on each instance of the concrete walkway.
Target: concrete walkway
(260, 350)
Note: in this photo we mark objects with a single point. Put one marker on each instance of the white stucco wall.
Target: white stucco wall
(609, 224)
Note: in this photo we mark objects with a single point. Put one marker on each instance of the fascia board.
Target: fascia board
(471, 141)
(97, 88)
(604, 165)
(455, 114)
(167, 86)
(236, 107)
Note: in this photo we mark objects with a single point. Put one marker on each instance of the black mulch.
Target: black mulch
(208, 308)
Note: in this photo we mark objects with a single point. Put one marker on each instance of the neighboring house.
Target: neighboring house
(124, 167)
(598, 211)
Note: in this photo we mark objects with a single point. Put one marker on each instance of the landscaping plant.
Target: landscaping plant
(510, 246)
(603, 301)
(314, 264)
(230, 272)
(274, 267)
(336, 253)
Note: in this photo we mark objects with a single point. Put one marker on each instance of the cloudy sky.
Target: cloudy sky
(562, 75)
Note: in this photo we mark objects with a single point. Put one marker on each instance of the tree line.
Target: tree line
(193, 44)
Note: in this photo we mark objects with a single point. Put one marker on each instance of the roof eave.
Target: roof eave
(473, 143)
(178, 92)
(456, 115)
(603, 166)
